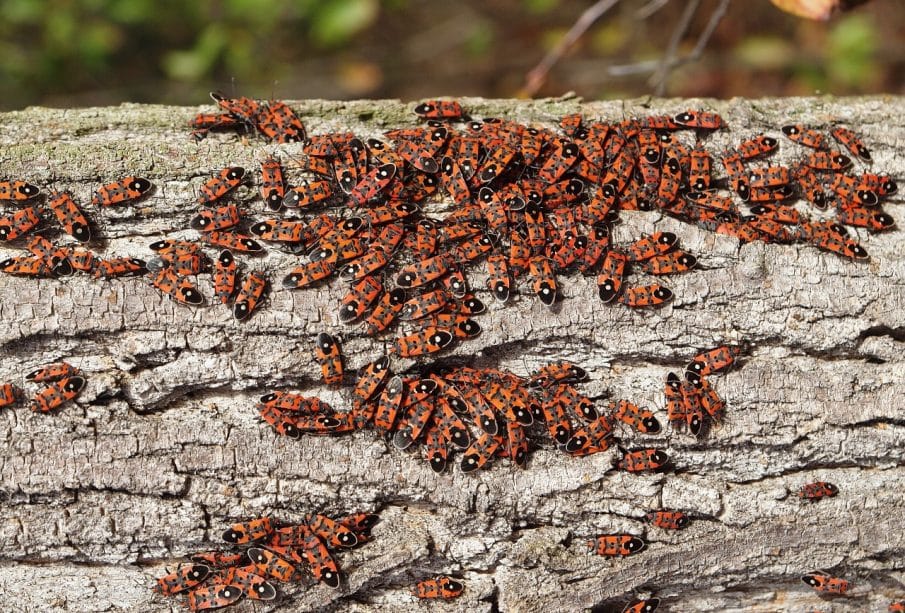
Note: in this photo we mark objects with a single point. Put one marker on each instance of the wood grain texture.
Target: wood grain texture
(162, 450)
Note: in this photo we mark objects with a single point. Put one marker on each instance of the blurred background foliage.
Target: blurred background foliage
(85, 52)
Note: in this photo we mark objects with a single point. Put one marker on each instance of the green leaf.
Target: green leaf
(336, 21)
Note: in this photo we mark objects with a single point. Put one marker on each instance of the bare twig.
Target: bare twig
(622, 70)
(649, 9)
(538, 75)
(658, 79)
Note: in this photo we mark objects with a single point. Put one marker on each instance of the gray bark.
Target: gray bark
(162, 450)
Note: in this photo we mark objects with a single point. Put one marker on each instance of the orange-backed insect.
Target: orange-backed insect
(455, 283)
(309, 274)
(130, 188)
(829, 238)
(699, 169)
(184, 578)
(232, 240)
(449, 423)
(52, 372)
(480, 452)
(19, 223)
(220, 184)
(288, 401)
(810, 185)
(70, 216)
(178, 288)
(570, 397)
(817, 490)
(359, 522)
(873, 220)
(252, 531)
(436, 449)
(360, 297)
(757, 146)
(556, 417)
(225, 276)
(422, 238)
(848, 190)
(439, 587)
(652, 245)
(245, 578)
(269, 564)
(213, 596)
(669, 520)
(560, 158)
(557, 372)
(58, 393)
(424, 304)
(711, 361)
(417, 416)
(368, 264)
(83, 260)
(805, 136)
(277, 121)
(692, 410)
(439, 109)
(418, 146)
(281, 421)
(517, 443)
(851, 141)
(778, 213)
(323, 567)
(493, 211)
(242, 108)
(827, 160)
(612, 545)
(428, 340)
(55, 258)
(543, 280)
(612, 274)
(640, 419)
(202, 123)
(312, 192)
(388, 404)
(711, 201)
(385, 312)
(669, 263)
(460, 326)
(648, 605)
(424, 271)
(273, 188)
(711, 401)
(598, 243)
(504, 401)
(370, 379)
(593, 437)
(370, 185)
(675, 407)
(330, 358)
(770, 176)
(453, 181)
(18, 190)
(826, 584)
(700, 120)
(566, 249)
(738, 179)
(897, 607)
(647, 296)
(473, 248)
(641, 460)
(881, 184)
(26, 266)
(500, 153)
(220, 218)
(9, 394)
(333, 533)
(119, 267)
(250, 295)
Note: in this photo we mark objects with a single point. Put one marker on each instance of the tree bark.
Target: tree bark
(162, 450)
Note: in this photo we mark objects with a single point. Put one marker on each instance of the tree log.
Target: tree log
(162, 450)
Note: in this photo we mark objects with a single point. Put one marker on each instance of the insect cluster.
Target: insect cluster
(62, 383)
(265, 551)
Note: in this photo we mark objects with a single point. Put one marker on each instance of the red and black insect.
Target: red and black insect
(757, 146)
(52, 372)
(57, 394)
(278, 122)
(642, 420)
(9, 395)
(613, 545)
(826, 584)
(439, 109)
(118, 192)
(711, 361)
(252, 531)
(648, 605)
(18, 190)
(439, 587)
(700, 120)
(805, 136)
(178, 288)
(250, 295)
(220, 218)
(70, 216)
(330, 358)
(642, 460)
(225, 276)
(119, 267)
(429, 340)
(220, 184)
(669, 520)
(817, 490)
(19, 223)
(184, 578)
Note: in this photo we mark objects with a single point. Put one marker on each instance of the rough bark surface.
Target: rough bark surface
(163, 450)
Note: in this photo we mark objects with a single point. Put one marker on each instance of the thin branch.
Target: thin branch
(658, 79)
(538, 75)
(649, 9)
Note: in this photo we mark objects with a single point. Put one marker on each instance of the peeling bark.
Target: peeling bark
(162, 450)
